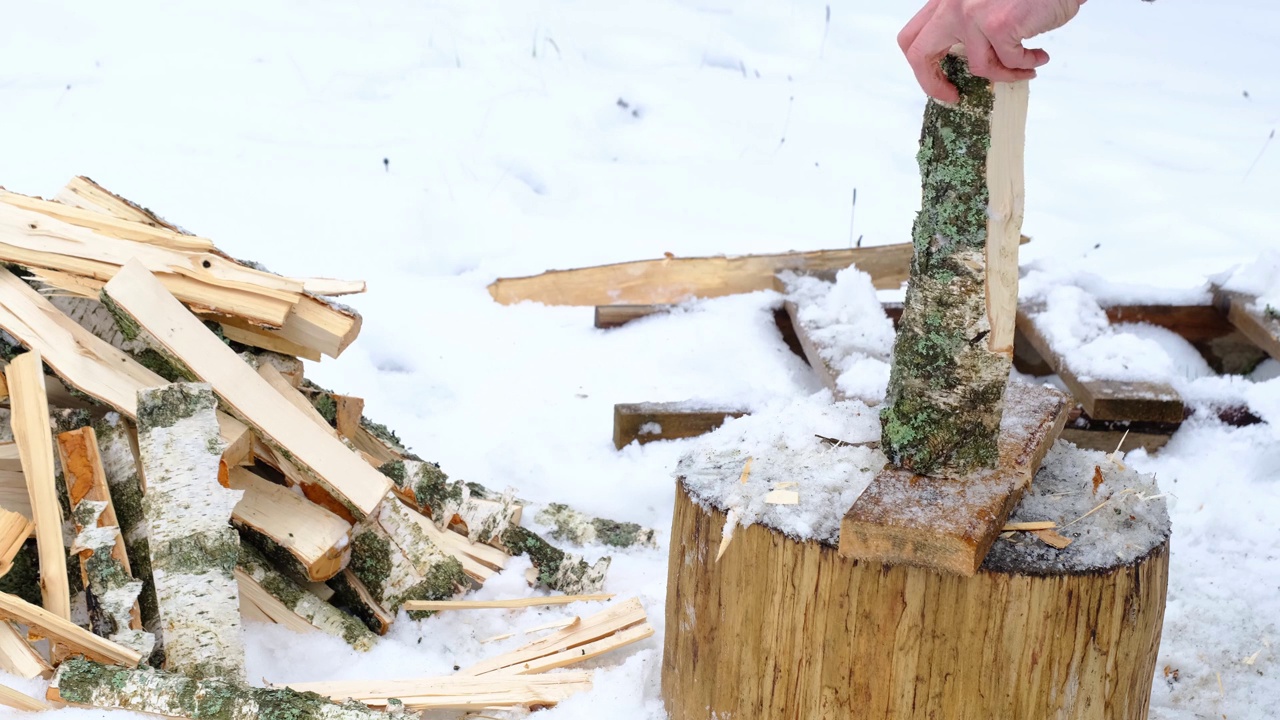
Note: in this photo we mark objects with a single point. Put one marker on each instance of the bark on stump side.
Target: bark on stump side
(785, 629)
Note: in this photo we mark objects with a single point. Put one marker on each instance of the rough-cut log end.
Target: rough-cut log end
(780, 628)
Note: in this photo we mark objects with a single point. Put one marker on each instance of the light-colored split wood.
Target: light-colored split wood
(15, 528)
(319, 540)
(65, 632)
(182, 336)
(673, 280)
(424, 605)
(84, 193)
(21, 701)
(613, 619)
(1006, 198)
(30, 420)
(452, 692)
(1029, 526)
(109, 225)
(17, 657)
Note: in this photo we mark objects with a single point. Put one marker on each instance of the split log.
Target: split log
(120, 469)
(82, 683)
(17, 657)
(674, 280)
(581, 529)
(281, 598)
(19, 701)
(181, 338)
(457, 693)
(310, 542)
(945, 523)
(553, 568)
(88, 363)
(783, 628)
(396, 561)
(648, 422)
(193, 548)
(479, 561)
(64, 632)
(475, 511)
(30, 422)
(112, 589)
(84, 193)
(954, 348)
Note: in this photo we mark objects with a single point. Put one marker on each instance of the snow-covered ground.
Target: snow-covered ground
(519, 137)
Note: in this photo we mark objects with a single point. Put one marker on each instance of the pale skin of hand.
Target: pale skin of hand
(991, 32)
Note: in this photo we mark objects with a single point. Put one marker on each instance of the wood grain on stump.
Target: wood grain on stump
(779, 628)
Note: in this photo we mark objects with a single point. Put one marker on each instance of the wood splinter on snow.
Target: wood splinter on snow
(194, 549)
(514, 603)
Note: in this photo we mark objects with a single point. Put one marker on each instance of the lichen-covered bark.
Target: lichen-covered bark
(112, 591)
(397, 562)
(575, 527)
(556, 569)
(347, 597)
(87, 683)
(305, 604)
(120, 466)
(23, 578)
(193, 549)
(946, 387)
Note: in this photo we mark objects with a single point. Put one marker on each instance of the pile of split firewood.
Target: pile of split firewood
(171, 472)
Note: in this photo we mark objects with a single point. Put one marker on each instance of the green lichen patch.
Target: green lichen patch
(432, 489)
(546, 558)
(166, 406)
(328, 409)
(349, 600)
(444, 580)
(198, 554)
(371, 561)
(621, 534)
(396, 472)
(273, 553)
(130, 330)
(23, 578)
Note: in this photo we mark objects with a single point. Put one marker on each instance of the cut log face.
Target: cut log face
(823, 637)
(193, 548)
(951, 363)
(945, 523)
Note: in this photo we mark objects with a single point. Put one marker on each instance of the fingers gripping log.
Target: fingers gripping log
(955, 341)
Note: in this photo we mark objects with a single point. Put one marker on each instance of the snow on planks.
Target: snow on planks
(948, 524)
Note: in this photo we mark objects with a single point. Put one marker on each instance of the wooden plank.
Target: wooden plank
(1256, 323)
(1195, 323)
(1005, 183)
(137, 292)
(612, 316)
(110, 224)
(89, 363)
(512, 604)
(650, 422)
(30, 420)
(254, 336)
(318, 539)
(948, 524)
(674, 280)
(65, 632)
(813, 352)
(455, 692)
(86, 194)
(1110, 440)
(21, 701)
(17, 657)
(1104, 399)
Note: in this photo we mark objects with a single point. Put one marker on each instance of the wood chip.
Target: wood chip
(1029, 526)
(782, 497)
(730, 522)
(1053, 539)
(746, 471)
(1097, 479)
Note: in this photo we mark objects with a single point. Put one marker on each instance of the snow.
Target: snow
(747, 127)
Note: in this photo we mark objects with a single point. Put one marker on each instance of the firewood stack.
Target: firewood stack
(176, 473)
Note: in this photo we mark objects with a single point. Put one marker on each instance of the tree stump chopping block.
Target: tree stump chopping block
(781, 628)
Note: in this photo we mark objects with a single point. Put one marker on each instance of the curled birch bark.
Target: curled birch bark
(581, 529)
(194, 549)
(303, 603)
(954, 347)
(85, 683)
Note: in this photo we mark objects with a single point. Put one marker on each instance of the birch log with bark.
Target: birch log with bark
(954, 347)
(113, 591)
(84, 683)
(396, 561)
(194, 549)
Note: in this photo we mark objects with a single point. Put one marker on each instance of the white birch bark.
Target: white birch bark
(194, 550)
(113, 592)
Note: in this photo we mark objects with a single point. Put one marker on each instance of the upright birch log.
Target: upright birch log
(194, 550)
(955, 341)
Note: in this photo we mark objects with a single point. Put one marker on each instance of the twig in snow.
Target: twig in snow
(1265, 144)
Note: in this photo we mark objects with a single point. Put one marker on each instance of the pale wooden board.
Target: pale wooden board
(335, 466)
(1243, 312)
(673, 280)
(89, 363)
(1101, 398)
(317, 538)
(1005, 185)
(677, 420)
(30, 420)
(110, 224)
(65, 632)
(20, 701)
(948, 524)
(17, 657)
(84, 193)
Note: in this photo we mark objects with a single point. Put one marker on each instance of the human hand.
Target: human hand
(991, 31)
